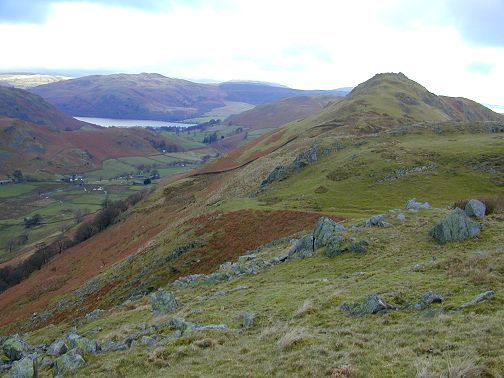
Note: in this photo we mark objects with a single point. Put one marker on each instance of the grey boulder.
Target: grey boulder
(475, 208)
(456, 226)
(163, 302)
(68, 362)
(324, 231)
(412, 204)
(373, 304)
(302, 248)
(24, 368)
(15, 348)
(57, 348)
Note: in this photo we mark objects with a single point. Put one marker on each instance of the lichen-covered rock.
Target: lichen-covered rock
(247, 319)
(479, 298)
(456, 226)
(163, 302)
(68, 362)
(475, 208)
(85, 345)
(412, 204)
(400, 217)
(324, 231)
(373, 304)
(357, 246)
(57, 348)
(302, 248)
(335, 246)
(15, 348)
(24, 368)
(427, 299)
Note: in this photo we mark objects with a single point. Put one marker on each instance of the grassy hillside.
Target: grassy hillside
(258, 199)
(278, 113)
(389, 100)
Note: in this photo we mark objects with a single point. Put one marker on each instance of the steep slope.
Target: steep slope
(278, 187)
(280, 112)
(37, 137)
(389, 100)
(26, 106)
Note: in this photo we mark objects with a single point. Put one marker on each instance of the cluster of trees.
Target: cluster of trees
(12, 275)
(161, 145)
(208, 139)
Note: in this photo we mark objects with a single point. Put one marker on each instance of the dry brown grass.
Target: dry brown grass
(494, 204)
(291, 338)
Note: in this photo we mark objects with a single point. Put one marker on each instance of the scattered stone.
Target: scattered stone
(427, 299)
(479, 298)
(84, 345)
(57, 348)
(95, 314)
(113, 346)
(357, 246)
(247, 319)
(456, 226)
(400, 217)
(413, 205)
(146, 341)
(15, 348)
(302, 248)
(68, 362)
(72, 337)
(163, 302)
(418, 267)
(24, 368)
(373, 304)
(181, 325)
(245, 258)
(475, 208)
(375, 221)
(325, 230)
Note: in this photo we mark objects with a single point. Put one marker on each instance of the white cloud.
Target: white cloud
(316, 44)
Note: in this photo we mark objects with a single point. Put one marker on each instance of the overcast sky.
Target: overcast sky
(453, 47)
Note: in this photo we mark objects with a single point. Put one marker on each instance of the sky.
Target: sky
(452, 47)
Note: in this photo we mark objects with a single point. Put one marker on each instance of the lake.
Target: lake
(109, 122)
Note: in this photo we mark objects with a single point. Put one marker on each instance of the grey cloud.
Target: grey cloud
(480, 21)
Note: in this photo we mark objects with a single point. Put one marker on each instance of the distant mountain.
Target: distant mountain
(260, 93)
(36, 137)
(20, 104)
(139, 96)
(28, 80)
(277, 113)
(153, 96)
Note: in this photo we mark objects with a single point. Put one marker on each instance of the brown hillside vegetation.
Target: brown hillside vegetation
(280, 112)
(36, 148)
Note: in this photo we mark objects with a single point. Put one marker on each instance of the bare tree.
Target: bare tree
(78, 216)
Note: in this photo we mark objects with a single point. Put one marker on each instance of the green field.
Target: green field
(223, 112)
(10, 190)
